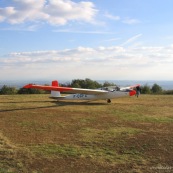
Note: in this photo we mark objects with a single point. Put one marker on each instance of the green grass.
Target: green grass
(40, 135)
(89, 147)
(96, 154)
(143, 117)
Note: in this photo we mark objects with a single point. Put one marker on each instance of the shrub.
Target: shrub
(5, 90)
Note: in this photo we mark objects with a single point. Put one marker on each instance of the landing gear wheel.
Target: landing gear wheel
(108, 100)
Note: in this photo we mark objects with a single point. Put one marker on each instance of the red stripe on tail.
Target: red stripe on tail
(55, 83)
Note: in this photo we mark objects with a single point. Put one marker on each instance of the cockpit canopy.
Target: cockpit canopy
(111, 88)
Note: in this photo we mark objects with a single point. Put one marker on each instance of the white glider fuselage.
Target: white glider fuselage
(108, 95)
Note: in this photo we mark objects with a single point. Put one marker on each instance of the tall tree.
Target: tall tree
(156, 89)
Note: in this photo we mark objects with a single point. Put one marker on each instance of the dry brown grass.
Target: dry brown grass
(129, 135)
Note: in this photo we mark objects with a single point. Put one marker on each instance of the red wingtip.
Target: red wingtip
(134, 86)
(28, 86)
(132, 93)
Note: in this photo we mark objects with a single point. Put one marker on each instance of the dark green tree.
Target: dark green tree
(87, 83)
(145, 89)
(106, 84)
(156, 89)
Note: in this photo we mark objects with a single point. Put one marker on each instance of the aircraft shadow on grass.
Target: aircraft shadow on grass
(82, 103)
(57, 104)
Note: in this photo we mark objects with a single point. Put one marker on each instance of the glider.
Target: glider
(106, 93)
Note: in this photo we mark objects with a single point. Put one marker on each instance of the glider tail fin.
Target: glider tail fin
(55, 93)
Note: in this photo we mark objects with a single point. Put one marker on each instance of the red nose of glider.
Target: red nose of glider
(132, 93)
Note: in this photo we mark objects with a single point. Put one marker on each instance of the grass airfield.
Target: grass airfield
(39, 135)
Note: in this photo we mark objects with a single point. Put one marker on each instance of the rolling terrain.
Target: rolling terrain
(40, 135)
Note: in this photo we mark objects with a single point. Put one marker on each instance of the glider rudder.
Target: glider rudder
(55, 93)
(55, 83)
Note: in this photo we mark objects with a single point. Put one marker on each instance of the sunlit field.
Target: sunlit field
(40, 135)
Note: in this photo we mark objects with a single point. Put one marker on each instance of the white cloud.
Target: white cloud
(111, 40)
(98, 63)
(131, 21)
(132, 39)
(82, 31)
(109, 16)
(126, 20)
(50, 11)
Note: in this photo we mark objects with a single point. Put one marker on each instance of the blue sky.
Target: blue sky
(69, 39)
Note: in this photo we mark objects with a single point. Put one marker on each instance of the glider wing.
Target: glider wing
(67, 89)
(129, 87)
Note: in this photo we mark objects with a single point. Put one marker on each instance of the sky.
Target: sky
(74, 39)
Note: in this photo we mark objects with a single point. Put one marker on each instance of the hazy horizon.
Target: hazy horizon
(165, 84)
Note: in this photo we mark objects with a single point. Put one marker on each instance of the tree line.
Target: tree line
(81, 83)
